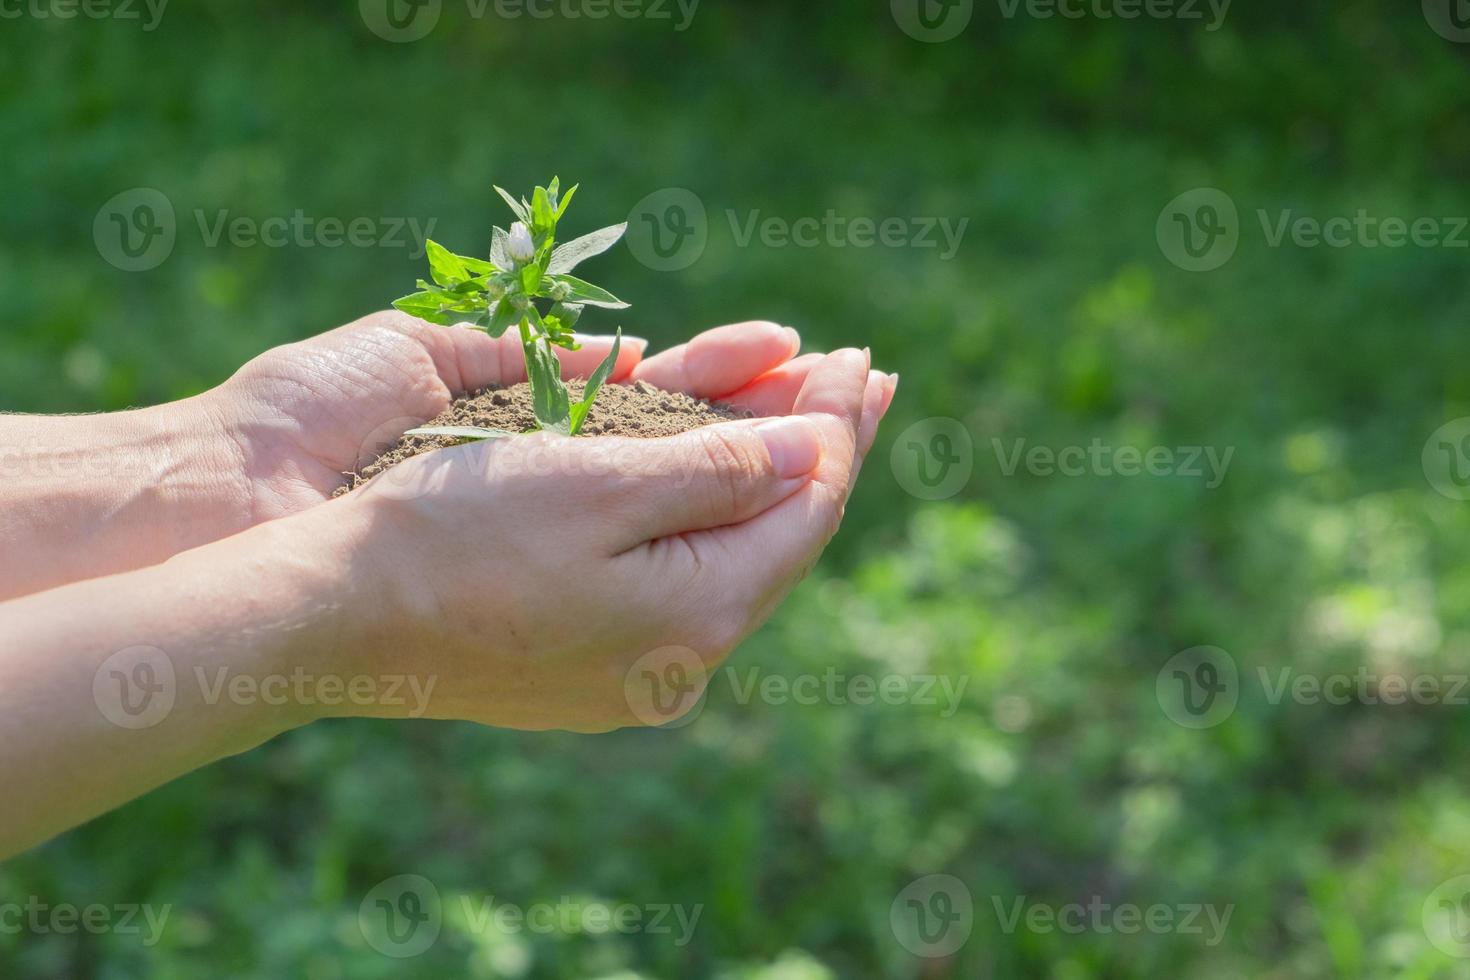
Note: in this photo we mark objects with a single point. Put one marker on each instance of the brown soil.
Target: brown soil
(641, 411)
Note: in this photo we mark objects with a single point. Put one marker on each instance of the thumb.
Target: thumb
(708, 477)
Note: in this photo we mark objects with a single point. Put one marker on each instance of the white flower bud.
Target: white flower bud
(520, 247)
(559, 291)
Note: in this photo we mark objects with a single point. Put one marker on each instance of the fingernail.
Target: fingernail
(793, 443)
(891, 390)
(868, 355)
(794, 338)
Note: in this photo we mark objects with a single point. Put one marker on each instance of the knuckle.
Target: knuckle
(733, 466)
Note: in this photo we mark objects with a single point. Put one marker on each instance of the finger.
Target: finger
(771, 550)
(469, 359)
(506, 363)
(708, 477)
(774, 393)
(595, 347)
(877, 397)
(722, 360)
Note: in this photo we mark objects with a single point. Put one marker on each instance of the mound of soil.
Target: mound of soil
(640, 410)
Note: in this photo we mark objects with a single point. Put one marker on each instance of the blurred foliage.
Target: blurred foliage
(1058, 599)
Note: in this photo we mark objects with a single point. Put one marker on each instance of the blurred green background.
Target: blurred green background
(1324, 829)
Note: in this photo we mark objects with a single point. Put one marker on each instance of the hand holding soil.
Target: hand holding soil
(587, 554)
(523, 576)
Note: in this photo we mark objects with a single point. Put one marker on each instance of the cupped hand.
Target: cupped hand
(300, 416)
(539, 580)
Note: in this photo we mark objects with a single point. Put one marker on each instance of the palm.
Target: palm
(310, 412)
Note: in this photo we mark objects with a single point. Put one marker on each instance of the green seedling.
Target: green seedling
(525, 268)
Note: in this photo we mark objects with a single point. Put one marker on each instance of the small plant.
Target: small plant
(526, 267)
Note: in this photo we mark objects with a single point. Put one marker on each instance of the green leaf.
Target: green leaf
(542, 215)
(549, 399)
(498, 254)
(502, 317)
(578, 412)
(530, 278)
(460, 292)
(561, 208)
(461, 432)
(585, 292)
(478, 266)
(520, 209)
(567, 314)
(425, 306)
(444, 265)
(567, 257)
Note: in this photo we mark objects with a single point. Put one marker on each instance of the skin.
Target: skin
(213, 565)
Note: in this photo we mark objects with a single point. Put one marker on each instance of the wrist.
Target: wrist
(337, 626)
(201, 471)
(101, 494)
